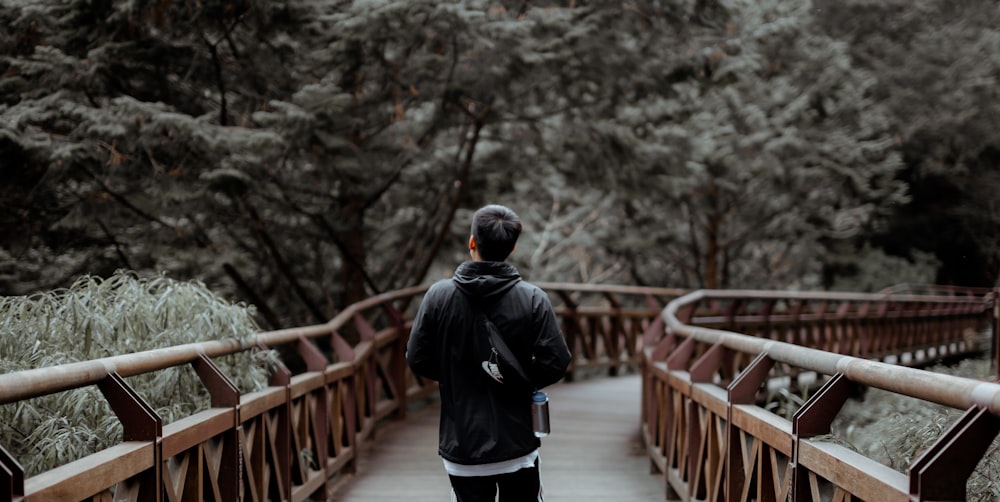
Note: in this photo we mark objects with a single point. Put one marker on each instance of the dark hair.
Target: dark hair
(495, 229)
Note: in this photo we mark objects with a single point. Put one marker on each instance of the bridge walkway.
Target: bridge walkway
(593, 454)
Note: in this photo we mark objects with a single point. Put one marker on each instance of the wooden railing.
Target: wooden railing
(606, 326)
(290, 441)
(705, 382)
(298, 438)
(908, 288)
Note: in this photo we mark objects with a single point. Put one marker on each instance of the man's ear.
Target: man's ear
(472, 243)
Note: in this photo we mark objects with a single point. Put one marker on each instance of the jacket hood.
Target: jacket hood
(485, 280)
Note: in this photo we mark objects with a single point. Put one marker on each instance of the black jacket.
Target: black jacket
(480, 423)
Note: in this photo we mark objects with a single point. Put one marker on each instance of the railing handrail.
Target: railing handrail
(934, 289)
(956, 392)
(762, 294)
(41, 381)
(715, 429)
(47, 380)
(610, 288)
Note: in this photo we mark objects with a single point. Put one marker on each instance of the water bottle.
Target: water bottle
(540, 414)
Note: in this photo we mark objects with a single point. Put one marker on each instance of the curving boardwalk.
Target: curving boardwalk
(707, 353)
(594, 452)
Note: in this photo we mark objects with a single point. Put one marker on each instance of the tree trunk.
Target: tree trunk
(461, 182)
(712, 251)
(350, 232)
(712, 247)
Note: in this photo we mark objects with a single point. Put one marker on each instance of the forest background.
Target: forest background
(300, 155)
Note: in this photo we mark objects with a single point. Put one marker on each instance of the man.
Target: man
(486, 437)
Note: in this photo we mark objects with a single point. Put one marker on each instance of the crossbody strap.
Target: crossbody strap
(496, 340)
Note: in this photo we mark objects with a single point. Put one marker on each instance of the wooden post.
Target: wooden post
(224, 394)
(706, 366)
(283, 432)
(572, 331)
(814, 419)
(942, 471)
(140, 423)
(614, 335)
(278, 432)
(317, 362)
(743, 391)
(368, 370)
(11, 477)
(397, 361)
(996, 332)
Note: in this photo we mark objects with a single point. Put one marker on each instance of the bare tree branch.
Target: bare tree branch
(461, 181)
(260, 229)
(256, 299)
(124, 201)
(118, 246)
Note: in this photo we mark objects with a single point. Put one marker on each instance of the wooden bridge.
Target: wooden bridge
(594, 454)
(662, 378)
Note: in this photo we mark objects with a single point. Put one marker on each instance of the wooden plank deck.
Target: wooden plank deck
(593, 454)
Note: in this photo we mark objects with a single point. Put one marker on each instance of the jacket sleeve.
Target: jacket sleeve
(422, 352)
(550, 355)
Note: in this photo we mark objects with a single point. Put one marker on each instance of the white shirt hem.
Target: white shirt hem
(504, 467)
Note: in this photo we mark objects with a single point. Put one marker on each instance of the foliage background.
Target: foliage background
(297, 155)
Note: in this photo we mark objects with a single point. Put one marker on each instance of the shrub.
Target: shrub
(97, 318)
(894, 429)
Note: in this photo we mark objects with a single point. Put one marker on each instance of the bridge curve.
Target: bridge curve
(706, 378)
(702, 362)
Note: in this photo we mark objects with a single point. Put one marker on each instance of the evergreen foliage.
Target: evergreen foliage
(937, 63)
(97, 318)
(730, 147)
(249, 144)
(299, 155)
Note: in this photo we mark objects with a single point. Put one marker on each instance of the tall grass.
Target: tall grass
(104, 317)
(894, 430)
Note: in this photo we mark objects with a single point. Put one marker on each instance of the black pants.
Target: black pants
(524, 485)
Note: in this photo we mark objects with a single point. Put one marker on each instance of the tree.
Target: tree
(741, 158)
(936, 64)
(288, 152)
(300, 155)
(259, 146)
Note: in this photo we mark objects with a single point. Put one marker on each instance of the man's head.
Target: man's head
(495, 230)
